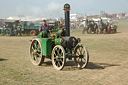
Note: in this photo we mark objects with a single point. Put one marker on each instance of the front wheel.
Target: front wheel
(58, 57)
(82, 58)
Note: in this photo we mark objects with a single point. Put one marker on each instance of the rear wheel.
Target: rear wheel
(36, 52)
(83, 56)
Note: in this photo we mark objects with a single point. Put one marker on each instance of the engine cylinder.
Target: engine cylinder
(69, 42)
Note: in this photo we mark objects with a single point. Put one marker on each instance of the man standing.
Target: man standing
(19, 29)
(44, 27)
(4, 29)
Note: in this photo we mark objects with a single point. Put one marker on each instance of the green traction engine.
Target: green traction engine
(58, 46)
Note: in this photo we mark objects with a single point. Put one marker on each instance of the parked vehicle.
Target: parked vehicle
(92, 27)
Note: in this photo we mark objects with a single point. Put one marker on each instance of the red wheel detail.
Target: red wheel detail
(33, 33)
(97, 31)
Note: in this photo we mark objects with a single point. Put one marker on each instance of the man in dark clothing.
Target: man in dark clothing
(44, 27)
(19, 30)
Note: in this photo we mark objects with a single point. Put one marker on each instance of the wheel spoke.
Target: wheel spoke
(61, 54)
(33, 55)
(78, 65)
(81, 60)
(79, 50)
(37, 59)
(38, 48)
(78, 59)
(35, 45)
(55, 62)
(82, 50)
(58, 54)
(38, 54)
(55, 53)
(54, 58)
(84, 53)
(84, 59)
(39, 51)
(33, 48)
(36, 42)
(77, 53)
(59, 63)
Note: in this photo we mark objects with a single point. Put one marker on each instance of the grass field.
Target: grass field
(108, 64)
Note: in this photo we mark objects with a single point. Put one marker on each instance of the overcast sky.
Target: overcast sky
(54, 8)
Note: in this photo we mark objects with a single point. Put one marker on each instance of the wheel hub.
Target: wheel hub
(35, 52)
(58, 58)
(81, 56)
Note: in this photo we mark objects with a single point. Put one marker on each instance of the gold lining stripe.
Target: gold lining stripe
(67, 9)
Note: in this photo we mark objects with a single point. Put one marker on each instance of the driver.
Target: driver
(44, 27)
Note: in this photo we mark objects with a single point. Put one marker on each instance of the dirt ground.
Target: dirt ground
(108, 64)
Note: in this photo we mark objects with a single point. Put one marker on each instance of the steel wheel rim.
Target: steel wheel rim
(83, 61)
(36, 52)
(8, 32)
(58, 57)
(33, 32)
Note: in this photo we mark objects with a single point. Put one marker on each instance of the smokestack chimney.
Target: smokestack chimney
(67, 18)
